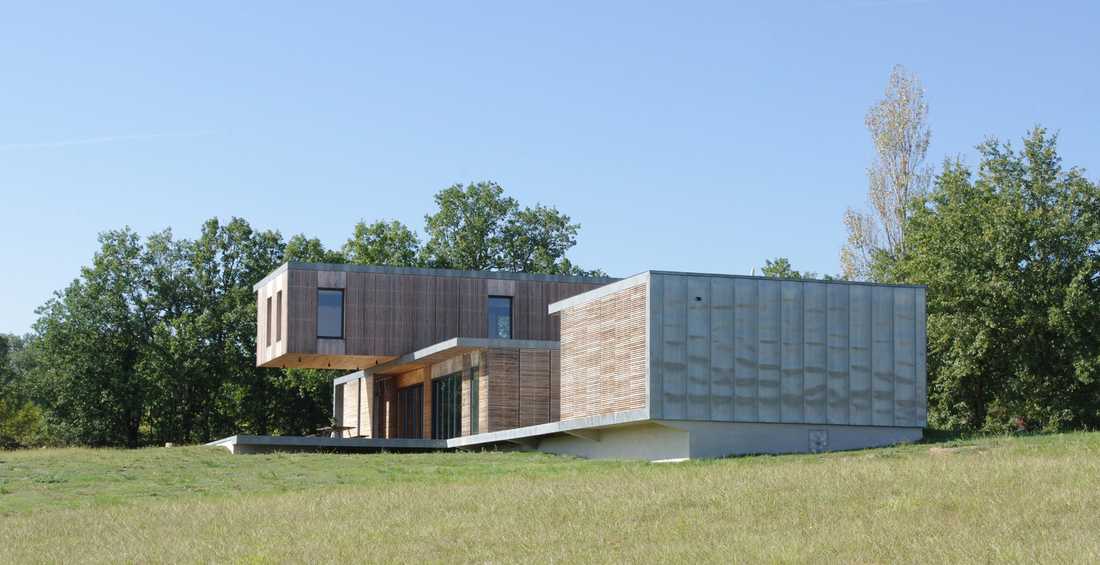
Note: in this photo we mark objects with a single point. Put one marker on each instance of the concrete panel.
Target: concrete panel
(791, 339)
(646, 441)
(722, 349)
(905, 394)
(837, 362)
(698, 348)
(746, 314)
(720, 439)
(768, 351)
(814, 353)
(674, 348)
(859, 355)
(882, 356)
(920, 368)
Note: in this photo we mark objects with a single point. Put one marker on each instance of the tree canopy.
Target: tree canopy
(1011, 257)
(154, 341)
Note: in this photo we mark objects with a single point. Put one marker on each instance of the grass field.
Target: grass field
(988, 500)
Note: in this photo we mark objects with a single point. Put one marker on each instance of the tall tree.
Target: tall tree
(467, 230)
(1012, 263)
(899, 131)
(93, 336)
(477, 227)
(383, 243)
(310, 250)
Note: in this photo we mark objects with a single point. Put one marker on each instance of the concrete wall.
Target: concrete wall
(727, 348)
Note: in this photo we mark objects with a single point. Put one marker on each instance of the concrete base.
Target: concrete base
(677, 439)
(619, 436)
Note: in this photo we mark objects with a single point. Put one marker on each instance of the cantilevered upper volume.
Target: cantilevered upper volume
(333, 316)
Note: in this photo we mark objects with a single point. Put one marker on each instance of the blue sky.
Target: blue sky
(689, 136)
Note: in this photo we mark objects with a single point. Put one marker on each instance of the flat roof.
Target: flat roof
(644, 276)
(421, 271)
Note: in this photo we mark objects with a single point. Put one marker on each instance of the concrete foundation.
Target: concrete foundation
(621, 436)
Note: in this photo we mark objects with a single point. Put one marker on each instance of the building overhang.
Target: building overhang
(447, 349)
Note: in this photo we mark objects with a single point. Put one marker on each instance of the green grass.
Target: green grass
(985, 500)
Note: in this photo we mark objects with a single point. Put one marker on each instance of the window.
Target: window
(267, 327)
(447, 407)
(279, 316)
(500, 317)
(330, 313)
(473, 400)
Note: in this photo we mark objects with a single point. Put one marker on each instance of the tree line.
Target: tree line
(155, 340)
(1010, 252)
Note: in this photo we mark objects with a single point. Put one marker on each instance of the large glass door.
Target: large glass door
(447, 407)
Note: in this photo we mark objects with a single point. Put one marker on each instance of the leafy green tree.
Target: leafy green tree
(310, 250)
(1011, 258)
(467, 231)
(21, 421)
(93, 337)
(477, 227)
(383, 243)
(781, 268)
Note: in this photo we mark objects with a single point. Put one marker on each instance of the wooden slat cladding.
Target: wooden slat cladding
(804, 352)
(392, 314)
(502, 366)
(271, 294)
(515, 388)
(603, 354)
(534, 386)
(302, 312)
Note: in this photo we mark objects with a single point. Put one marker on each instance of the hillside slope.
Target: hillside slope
(998, 499)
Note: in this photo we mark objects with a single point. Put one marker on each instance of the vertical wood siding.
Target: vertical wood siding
(807, 352)
(391, 314)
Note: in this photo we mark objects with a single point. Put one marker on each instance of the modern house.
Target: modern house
(658, 366)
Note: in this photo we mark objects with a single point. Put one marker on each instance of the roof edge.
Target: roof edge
(424, 271)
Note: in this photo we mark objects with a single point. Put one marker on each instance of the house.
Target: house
(659, 366)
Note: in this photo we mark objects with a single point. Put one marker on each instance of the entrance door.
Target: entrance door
(410, 411)
(447, 407)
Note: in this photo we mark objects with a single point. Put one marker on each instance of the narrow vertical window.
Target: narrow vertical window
(279, 316)
(500, 317)
(473, 400)
(267, 326)
(330, 313)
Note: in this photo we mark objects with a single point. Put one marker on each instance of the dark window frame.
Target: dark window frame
(475, 408)
(343, 316)
(279, 316)
(267, 328)
(511, 317)
(447, 406)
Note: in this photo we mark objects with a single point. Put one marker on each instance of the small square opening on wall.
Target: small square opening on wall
(819, 441)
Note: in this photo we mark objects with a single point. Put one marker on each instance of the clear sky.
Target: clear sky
(688, 136)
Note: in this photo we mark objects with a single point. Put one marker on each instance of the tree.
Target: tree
(899, 130)
(93, 336)
(781, 268)
(310, 250)
(21, 422)
(383, 243)
(1012, 263)
(478, 228)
